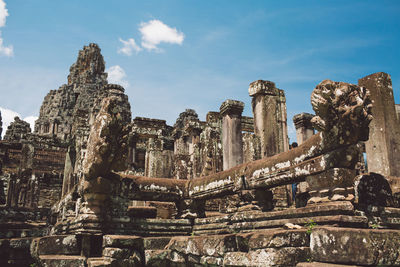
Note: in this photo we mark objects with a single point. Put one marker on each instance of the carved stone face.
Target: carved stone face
(343, 112)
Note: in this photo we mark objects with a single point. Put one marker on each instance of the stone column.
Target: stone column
(270, 125)
(304, 128)
(159, 159)
(269, 109)
(232, 147)
(397, 106)
(383, 146)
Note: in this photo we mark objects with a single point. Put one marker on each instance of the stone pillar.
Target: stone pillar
(304, 128)
(397, 106)
(282, 121)
(232, 147)
(269, 109)
(270, 125)
(159, 159)
(383, 146)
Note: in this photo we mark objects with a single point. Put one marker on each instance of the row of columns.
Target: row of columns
(270, 123)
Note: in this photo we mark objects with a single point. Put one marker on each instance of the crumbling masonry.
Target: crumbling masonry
(90, 186)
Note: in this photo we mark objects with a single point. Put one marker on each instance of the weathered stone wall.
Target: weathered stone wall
(32, 173)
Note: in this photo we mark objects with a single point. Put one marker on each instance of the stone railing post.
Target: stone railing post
(232, 144)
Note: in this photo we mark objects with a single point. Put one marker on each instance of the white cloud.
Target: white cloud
(155, 32)
(7, 51)
(8, 116)
(117, 75)
(3, 13)
(4, 50)
(129, 45)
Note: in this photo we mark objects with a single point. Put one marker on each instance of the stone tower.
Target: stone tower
(69, 112)
(64, 110)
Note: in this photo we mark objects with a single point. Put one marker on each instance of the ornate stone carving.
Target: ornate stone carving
(343, 112)
(107, 146)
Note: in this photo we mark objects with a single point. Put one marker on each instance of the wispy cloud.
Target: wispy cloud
(128, 47)
(117, 75)
(4, 50)
(153, 33)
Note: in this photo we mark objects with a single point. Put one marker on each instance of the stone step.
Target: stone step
(322, 264)
(56, 245)
(99, 262)
(371, 247)
(62, 261)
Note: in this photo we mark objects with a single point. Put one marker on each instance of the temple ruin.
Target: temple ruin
(92, 186)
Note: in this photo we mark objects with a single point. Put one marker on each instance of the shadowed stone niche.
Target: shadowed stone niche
(373, 189)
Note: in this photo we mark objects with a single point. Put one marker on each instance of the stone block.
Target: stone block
(116, 253)
(288, 256)
(62, 261)
(56, 245)
(275, 238)
(155, 242)
(262, 87)
(231, 107)
(123, 241)
(211, 261)
(355, 246)
(214, 245)
(157, 257)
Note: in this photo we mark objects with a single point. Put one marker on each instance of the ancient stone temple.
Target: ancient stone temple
(93, 187)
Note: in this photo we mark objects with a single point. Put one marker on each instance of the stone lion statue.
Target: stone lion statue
(343, 112)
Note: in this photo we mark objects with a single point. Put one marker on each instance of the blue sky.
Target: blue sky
(209, 51)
